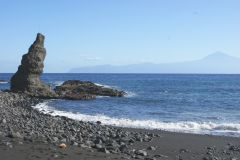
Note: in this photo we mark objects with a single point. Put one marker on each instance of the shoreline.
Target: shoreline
(25, 133)
(46, 109)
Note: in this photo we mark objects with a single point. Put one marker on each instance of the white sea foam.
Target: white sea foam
(187, 127)
(104, 85)
(3, 82)
(130, 94)
(58, 83)
(103, 96)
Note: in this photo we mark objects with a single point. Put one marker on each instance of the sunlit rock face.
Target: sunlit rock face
(27, 78)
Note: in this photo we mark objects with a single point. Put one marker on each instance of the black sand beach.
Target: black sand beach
(170, 146)
(27, 134)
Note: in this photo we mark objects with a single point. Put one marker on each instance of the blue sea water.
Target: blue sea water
(193, 103)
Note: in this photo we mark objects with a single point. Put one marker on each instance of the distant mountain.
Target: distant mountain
(215, 63)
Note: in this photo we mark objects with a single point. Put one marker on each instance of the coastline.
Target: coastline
(41, 138)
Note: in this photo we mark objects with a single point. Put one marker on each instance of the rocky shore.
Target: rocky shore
(23, 127)
(20, 121)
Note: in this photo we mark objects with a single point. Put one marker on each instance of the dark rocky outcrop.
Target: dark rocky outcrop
(27, 78)
(75, 89)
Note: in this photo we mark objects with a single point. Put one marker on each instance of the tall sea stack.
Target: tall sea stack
(27, 78)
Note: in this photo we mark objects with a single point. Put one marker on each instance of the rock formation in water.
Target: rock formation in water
(74, 89)
(27, 78)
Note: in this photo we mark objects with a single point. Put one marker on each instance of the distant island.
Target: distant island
(218, 62)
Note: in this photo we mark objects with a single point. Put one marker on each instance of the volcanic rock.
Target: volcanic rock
(75, 89)
(27, 78)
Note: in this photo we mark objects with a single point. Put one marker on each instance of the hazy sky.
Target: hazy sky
(91, 32)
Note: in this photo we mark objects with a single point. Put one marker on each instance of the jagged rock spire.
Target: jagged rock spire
(27, 78)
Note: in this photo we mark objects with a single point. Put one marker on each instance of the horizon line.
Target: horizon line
(136, 73)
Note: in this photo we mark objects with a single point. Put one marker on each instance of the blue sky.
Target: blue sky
(92, 32)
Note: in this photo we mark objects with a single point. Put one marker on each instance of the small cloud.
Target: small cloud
(93, 58)
(90, 58)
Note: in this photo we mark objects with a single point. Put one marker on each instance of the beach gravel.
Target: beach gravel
(26, 132)
(20, 121)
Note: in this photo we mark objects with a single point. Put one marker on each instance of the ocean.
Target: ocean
(191, 103)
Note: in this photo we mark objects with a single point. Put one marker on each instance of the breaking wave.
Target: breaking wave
(104, 85)
(3, 82)
(58, 83)
(230, 129)
(128, 95)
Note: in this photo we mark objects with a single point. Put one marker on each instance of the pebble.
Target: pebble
(104, 150)
(183, 150)
(160, 156)
(83, 146)
(9, 145)
(55, 156)
(98, 146)
(151, 148)
(63, 146)
(15, 135)
(64, 140)
(98, 122)
(4, 121)
(141, 153)
(147, 158)
(55, 139)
